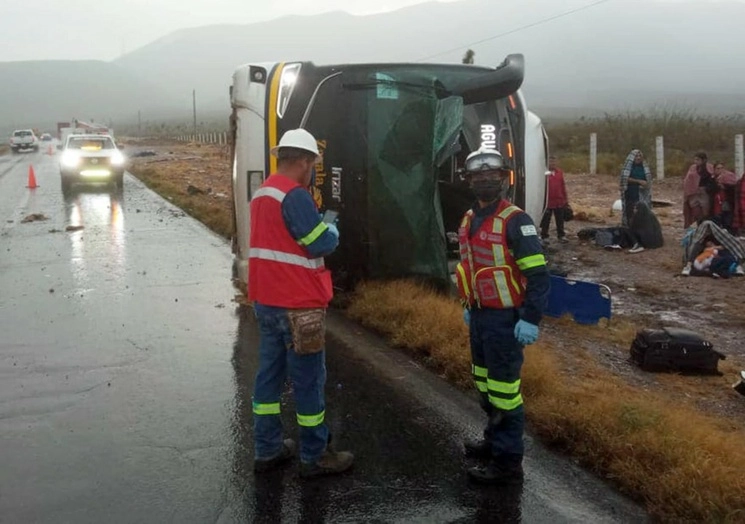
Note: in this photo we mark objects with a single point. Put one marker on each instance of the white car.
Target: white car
(91, 159)
(24, 139)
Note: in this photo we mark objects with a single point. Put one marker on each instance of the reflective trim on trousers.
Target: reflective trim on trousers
(311, 421)
(266, 409)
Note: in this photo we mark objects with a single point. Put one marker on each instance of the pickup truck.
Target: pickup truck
(23, 139)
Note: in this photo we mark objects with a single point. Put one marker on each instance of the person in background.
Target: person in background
(635, 185)
(738, 222)
(699, 187)
(557, 201)
(503, 283)
(724, 199)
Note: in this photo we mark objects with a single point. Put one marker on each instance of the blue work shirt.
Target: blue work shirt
(522, 241)
(300, 214)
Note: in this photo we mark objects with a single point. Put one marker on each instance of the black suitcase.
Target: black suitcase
(672, 349)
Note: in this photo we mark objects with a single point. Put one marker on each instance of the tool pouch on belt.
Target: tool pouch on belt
(308, 327)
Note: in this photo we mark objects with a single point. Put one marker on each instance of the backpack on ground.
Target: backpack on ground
(673, 349)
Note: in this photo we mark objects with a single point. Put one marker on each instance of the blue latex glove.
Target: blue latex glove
(333, 230)
(526, 333)
(467, 317)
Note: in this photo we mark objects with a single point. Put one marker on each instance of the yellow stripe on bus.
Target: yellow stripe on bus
(272, 116)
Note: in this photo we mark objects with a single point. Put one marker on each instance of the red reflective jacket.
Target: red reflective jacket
(280, 271)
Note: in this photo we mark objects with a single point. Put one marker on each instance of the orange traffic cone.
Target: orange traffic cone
(31, 178)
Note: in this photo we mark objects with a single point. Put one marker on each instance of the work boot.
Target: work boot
(282, 458)
(330, 463)
(480, 449)
(497, 473)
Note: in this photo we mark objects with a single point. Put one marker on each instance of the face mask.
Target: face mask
(488, 190)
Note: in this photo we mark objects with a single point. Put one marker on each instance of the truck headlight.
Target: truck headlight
(70, 159)
(117, 159)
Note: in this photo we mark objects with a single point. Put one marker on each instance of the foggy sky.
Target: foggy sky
(106, 29)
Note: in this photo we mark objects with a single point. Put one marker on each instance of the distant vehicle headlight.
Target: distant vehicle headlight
(70, 159)
(117, 159)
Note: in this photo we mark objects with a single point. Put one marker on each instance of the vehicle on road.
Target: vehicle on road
(393, 138)
(24, 139)
(46, 137)
(91, 159)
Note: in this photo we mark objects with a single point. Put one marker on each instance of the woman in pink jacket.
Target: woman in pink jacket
(557, 201)
(699, 187)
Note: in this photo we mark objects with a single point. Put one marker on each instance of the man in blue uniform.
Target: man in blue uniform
(503, 282)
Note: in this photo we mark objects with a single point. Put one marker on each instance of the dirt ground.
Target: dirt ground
(204, 167)
(648, 291)
(647, 288)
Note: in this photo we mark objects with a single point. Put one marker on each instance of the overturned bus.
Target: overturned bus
(393, 138)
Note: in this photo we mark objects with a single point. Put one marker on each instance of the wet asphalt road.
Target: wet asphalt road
(125, 388)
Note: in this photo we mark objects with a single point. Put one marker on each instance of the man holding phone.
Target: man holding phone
(291, 288)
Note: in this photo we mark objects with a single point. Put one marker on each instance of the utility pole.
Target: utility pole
(194, 104)
(139, 124)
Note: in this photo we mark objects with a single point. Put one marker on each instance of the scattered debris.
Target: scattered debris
(73, 228)
(34, 217)
(193, 190)
(740, 385)
(221, 195)
(9, 221)
(241, 299)
(51, 290)
(144, 153)
(54, 230)
(220, 306)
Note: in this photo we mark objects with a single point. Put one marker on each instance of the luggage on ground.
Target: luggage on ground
(673, 349)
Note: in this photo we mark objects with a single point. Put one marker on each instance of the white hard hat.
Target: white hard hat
(299, 139)
(485, 159)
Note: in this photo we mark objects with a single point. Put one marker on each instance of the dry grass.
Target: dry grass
(685, 133)
(682, 464)
(215, 214)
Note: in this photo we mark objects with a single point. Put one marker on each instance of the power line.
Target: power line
(522, 28)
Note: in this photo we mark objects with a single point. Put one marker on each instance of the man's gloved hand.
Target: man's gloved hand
(333, 230)
(526, 333)
(467, 317)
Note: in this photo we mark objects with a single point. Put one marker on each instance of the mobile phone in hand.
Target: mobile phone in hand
(329, 216)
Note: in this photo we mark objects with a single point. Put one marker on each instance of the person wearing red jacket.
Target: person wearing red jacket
(557, 201)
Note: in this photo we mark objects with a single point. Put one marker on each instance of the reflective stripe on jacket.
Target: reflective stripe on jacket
(280, 271)
(488, 275)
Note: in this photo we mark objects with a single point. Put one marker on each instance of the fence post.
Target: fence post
(593, 153)
(739, 155)
(660, 158)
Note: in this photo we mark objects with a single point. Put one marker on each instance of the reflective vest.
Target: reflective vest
(280, 271)
(487, 275)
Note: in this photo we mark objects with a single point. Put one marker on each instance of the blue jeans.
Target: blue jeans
(497, 359)
(277, 360)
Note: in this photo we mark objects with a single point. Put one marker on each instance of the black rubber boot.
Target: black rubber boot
(281, 459)
(497, 472)
(480, 449)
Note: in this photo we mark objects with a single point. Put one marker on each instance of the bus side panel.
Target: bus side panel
(535, 167)
(249, 103)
